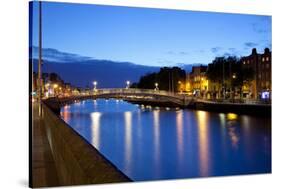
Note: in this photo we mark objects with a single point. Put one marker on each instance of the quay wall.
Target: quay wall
(77, 161)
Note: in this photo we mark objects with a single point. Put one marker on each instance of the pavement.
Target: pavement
(44, 172)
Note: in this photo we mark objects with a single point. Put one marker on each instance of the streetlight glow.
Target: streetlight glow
(156, 86)
(128, 84)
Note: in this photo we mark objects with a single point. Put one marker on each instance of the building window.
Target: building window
(263, 59)
(244, 62)
(267, 58)
(267, 65)
(267, 84)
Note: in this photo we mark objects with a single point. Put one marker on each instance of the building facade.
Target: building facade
(197, 82)
(261, 85)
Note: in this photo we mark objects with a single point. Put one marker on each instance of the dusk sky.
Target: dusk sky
(156, 37)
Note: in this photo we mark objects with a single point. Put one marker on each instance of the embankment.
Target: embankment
(77, 162)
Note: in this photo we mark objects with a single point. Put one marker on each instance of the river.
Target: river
(151, 143)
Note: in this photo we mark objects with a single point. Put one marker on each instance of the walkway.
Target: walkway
(43, 166)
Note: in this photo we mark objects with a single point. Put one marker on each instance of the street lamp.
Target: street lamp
(156, 86)
(179, 82)
(128, 84)
(55, 86)
(95, 83)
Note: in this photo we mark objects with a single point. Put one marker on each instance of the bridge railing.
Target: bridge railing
(137, 91)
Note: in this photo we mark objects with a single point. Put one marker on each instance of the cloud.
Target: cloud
(258, 29)
(170, 52)
(181, 53)
(250, 44)
(262, 27)
(216, 49)
(58, 56)
(166, 62)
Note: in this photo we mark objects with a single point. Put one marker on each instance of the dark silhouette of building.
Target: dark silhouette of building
(260, 87)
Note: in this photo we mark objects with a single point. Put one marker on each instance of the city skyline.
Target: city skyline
(145, 36)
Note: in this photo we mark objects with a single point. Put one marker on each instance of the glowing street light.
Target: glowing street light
(95, 83)
(233, 76)
(55, 86)
(156, 86)
(128, 84)
(180, 86)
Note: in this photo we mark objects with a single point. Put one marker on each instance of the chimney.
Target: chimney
(254, 51)
(266, 51)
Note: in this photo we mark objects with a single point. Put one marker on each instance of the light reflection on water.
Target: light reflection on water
(152, 143)
(95, 117)
(203, 138)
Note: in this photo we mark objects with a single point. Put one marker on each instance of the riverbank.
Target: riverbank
(238, 108)
(220, 107)
(74, 160)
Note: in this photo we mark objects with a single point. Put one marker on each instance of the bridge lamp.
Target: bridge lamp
(156, 86)
(128, 84)
(95, 85)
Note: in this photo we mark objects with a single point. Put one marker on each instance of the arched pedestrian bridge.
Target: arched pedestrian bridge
(143, 95)
(138, 96)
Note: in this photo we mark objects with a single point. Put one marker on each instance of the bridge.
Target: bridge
(143, 95)
(137, 96)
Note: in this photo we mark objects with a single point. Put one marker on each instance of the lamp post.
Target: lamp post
(180, 89)
(40, 59)
(55, 86)
(128, 84)
(156, 86)
(95, 83)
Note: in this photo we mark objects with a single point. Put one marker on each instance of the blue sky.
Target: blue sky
(157, 37)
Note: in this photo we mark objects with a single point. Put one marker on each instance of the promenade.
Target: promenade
(60, 156)
(43, 166)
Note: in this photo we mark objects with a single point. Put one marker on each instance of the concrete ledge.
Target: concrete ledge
(77, 162)
(249, 109)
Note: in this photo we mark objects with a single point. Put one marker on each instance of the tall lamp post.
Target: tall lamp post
(156, 87)
(95, 83)
(128, 84)
(40, 58)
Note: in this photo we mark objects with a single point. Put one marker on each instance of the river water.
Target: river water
(150, 143)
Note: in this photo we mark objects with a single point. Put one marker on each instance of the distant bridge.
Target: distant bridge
(143, 95)
(139, 96)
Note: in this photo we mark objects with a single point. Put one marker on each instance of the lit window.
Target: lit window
(244, 62)
(267, 58)
(263, 59)
(267, 84)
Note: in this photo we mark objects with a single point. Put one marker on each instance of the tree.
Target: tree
(167, 79)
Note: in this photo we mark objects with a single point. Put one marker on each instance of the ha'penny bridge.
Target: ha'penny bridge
(140, 96)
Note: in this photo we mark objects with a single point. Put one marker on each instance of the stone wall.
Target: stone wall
(77, 162)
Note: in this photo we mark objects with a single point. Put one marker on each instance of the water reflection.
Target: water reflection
(179, 126)
(232, 130)
(128, 138)
(204, 162)
(95, 118)
(156, 137)
(160, 144)
(65, 113)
